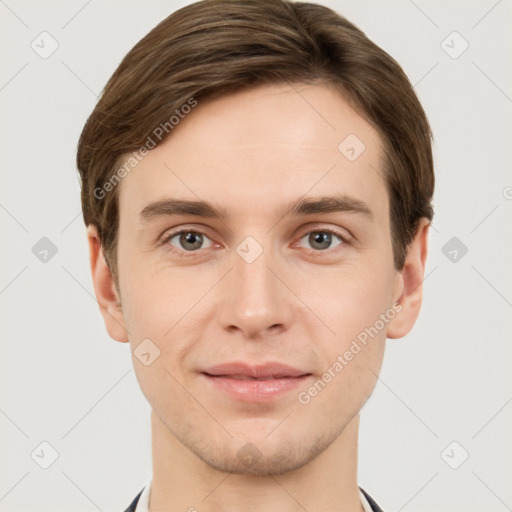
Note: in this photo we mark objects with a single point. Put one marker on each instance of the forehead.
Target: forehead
(264, 146)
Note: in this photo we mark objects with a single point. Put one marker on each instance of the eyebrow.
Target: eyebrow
(306, 206)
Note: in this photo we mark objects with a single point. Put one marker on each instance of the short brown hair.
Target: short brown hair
(216, 47)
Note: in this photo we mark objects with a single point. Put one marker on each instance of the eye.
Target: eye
(322, 240)
(188, 240)
(192, 241)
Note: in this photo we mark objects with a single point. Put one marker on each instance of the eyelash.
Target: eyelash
(345, 240)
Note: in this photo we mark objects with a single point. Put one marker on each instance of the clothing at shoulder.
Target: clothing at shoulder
(133, 505)
(369, 499)
(371, 502)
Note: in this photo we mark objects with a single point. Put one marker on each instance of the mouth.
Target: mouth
(255, 383)
(245, 377)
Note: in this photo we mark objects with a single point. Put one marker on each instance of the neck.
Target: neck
(182, 481)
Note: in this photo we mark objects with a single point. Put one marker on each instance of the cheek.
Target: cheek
(349, 301)
(155, 301)
(352, 356)
(169, 309)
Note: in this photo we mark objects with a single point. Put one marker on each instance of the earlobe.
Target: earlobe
(410, 281)
(105, 289)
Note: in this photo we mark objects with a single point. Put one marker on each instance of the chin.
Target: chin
(260, 456)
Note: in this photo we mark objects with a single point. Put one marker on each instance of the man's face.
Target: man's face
(257, 287)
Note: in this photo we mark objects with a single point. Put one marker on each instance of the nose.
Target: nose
(255, 301)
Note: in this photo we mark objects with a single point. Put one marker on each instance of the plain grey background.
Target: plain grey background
(445, 391)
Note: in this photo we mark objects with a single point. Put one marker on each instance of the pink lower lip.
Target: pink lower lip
(253, 390)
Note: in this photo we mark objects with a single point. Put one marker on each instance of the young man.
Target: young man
(257, 181)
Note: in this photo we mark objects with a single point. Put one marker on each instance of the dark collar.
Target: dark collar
(372, 503)
(133, 504)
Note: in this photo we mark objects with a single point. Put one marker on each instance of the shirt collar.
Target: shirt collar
(143, 503)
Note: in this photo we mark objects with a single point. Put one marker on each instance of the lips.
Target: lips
(243, 371)
(254, 383)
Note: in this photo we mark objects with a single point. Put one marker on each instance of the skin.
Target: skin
(251, 153)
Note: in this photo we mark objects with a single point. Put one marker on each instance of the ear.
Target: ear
(409, 284)
(105, 289)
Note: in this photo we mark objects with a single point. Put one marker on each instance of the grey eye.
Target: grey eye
(321, 240)
(189, 240)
